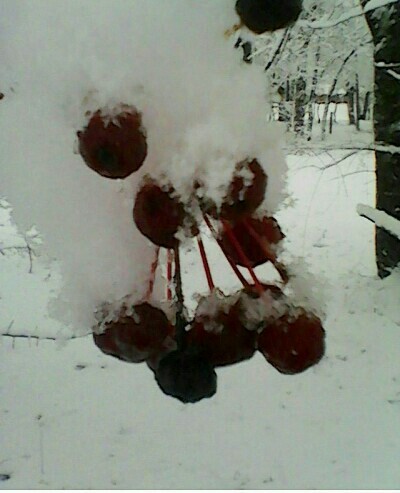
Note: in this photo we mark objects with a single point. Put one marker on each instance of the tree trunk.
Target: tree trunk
(384, 24)
(331, 92)
(313, 91)
(350, 106)
(357, 103)
(300, 103)
(365, 111)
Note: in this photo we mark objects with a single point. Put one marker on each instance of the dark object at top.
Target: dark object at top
(186, 375)
(261, 16)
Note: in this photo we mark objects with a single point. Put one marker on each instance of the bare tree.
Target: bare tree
(384, 24)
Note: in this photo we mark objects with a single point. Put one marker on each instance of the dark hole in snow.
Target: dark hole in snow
(5, 477)
(80, 367)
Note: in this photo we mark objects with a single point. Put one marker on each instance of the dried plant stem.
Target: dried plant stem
(206, 265)
(239, 275)
(236, 245)
(269, 253)
(152, 277)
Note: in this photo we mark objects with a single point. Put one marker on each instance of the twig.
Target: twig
(381, 219)
(206, 265)
(355, 12)
(236, 245)
(17, 248)
(278, 50)
(41, 448)
(271, 256)
(180, 321)
(235, 269)
(30, 256)
(378, 147)
(39, 338)
(153, 270)
(331, 165)
(169, 274)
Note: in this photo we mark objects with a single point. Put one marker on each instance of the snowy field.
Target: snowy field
(74, 418)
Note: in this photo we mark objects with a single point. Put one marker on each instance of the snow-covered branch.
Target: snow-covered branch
(278, 50)
(351, 14)
(385, 65)
(380, 218)
(326, 147)
(394, 74)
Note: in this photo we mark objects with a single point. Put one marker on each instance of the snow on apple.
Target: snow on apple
(200, 108)
(171, 135)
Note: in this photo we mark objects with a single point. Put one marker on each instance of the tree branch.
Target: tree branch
(354, 12)
(381, 219)
(394, 74)
(323, 148)
(278, 50)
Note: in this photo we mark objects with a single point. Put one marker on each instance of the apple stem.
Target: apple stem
(169, 274)
(281, 269)
(235, 243)
(180, 320)
(239, 275)
(152, 277)
(206, 265)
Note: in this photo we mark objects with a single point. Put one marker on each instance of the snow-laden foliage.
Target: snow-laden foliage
(203, 111)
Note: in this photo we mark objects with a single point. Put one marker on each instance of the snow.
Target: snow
(105, 424)
(71, 417)
(350, 14)
(380, 218)
(394, 74)
(201, 119)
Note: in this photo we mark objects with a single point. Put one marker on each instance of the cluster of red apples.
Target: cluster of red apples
(225, 329)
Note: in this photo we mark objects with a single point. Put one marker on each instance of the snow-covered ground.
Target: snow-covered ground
(72, 417)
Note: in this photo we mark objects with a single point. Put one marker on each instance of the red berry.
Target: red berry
(158, 215)
(268, 232)
(244, 194)
(222, 337)
(144, 331)
(135, 336)
(186, 375)
(268, 15)
(246, 191)
(114, 146)
(293, 343)
(106, 343)
(256, 311)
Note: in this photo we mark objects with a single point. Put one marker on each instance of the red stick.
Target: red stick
(169, 275)
(235, 243)
(206, 265)
(152, 277)
(268, 252)
(240, 276)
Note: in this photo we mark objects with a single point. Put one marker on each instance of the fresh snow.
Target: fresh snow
(350, 14)
(71, 417)
(380, 218)
(105, 424)
(202, 109)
